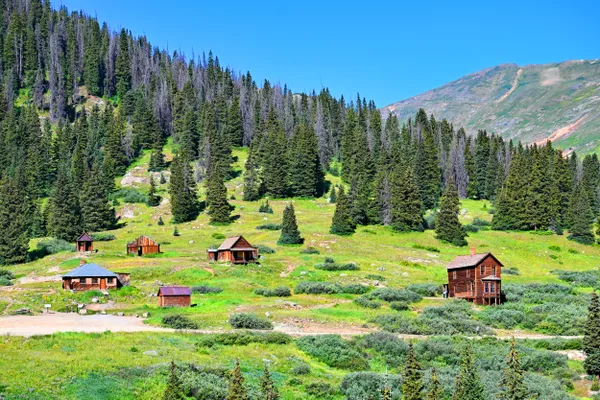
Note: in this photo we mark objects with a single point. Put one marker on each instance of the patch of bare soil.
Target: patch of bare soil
(288, 270)
(210, 270)
(562, 132)
(135, 177)
(513, 87)
(576, 355)
(32, 278)
(300, 327)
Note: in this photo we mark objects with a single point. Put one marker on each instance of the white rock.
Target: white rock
(191, 242)
(268, 314)
(152, 353)
(83, 311)
(94, 299)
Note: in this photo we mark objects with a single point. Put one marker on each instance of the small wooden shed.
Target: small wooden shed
(143, 245)
(236, 250)
(174, 296)
(84, 243)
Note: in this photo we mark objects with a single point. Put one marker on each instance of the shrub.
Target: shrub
(128, 195)
(6, 274)
(329, 260)
(471, 228)
(501, 317)
(53, 246)
(333, 351)
(249, 321)
(511, 271)
(428, 248)
(425, 289)
(160, 221)
(203, 383)
(309, 287)
(399, 305)
(389, 294)
(269, 227)
(367, 385)
(310, 250)
(376, 277)
(573, 251)
(553, 256)
(265, 208)
(280, 291)
(363, 301)
(218, 236)
(243, 339)
(320, 389)
(554, 248)
(481, 222)
(579, 278)
(333, 266)
(202, 289)
(302, 369)
(392, 348)
(177, 321)
(265, 249)
(354, 288)
(103, 237)
(4, 281)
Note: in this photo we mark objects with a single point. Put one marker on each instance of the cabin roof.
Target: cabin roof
(230, 243)
(85, 238)
(140, 239)
(470, 260)
(174, 291)
(91, 270)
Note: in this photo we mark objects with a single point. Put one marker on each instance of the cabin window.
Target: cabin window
(494, 270)
(454, 274)
(109, 281)
(486, 286)
(82, 281)
(94, 281)
(482, 268)
(468, 273)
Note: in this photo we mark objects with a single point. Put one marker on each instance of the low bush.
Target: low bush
(333, 351)
(471, 228)
(481, 222)
(4, 281)
(502, 317)
(218, 236)
(203, 289)
(309, 287)
(554, 248)
(53, 246)
(320, 389)
(177, 321)
(389, 295)
(301, 369)
(243, 339)
(280, 291)
(249, 321)
(337, 267)
(511, 271)
(392, 348)
(265, 249)
(367, 385)
(354, 288)
(579, 278)
(363, 301)
(425, 289)
(573, 251)
(376, 277)
(203, 383)
(399, 305)
(6, 274)
(128, 195)
(310, 250)
(103, 237)
(428, 248)
(269, 227)
(265, 208)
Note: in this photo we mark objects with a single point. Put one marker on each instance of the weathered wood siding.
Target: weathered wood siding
(174, 301)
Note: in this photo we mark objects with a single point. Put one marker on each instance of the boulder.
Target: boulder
(145, 315)
(120, 314)
(152, 353)
(94, 300)
(83, 311)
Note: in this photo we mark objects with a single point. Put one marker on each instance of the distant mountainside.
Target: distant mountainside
(560, 102)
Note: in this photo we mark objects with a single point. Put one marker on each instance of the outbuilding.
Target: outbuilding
(90, 276)
(84, 243)
(174, 296)
(143, 245)
(235, 250)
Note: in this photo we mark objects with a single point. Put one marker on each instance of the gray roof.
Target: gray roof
(470, 260)
(90, 270)
(229, 243)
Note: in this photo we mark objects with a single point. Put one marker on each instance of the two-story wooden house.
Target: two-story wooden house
(476, 277)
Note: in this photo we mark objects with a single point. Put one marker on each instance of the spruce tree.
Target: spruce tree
(123, 65)
(468, 383)
(252, 181)
(174, 389)
(182, 187)
(98, 214)
(591, 340)
(305, 172)
(412, 385)
(268, 390)
(406, 207)
(386, 392)
(157, 158)
(581, 217)
(237, 391)
(64, 221)
(512, 386)
(219, 208)
(342, 223)
(235, 131)
(332, 195)
(153, 199)
(447, 225)
(435, 391)
(289, 227)
(14, 224)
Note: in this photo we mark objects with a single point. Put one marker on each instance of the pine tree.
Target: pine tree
(268, 390)
(581, 216)
(153, 199)
(591, 340)
(512, 386)
(182, 187)
(412, 385)
(435, 392)
(123, 65)
(342, 223)
(332, 195)
(511, 204)
(216, 200)
(235, 131)
(160, 221)
(237, 391)
(305, 172)
(157, 158)
(14, 224)
(174, 389)
(386, 391)
(468, 384)
(64, 221)
(447, 225)
(406, 206)
(163, 180)
(98, 214)
(252, 181)
(289, 227)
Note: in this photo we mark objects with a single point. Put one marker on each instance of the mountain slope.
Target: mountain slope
(560, 102)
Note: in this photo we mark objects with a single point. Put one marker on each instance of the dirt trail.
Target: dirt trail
(513, 87)
(562, 132)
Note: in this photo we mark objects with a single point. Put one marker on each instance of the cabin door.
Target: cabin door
(140, 252)
(102, 283)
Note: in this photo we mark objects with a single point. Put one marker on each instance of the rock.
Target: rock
(120, 314)
(405, 274)
(152, 353)
(23, 311)
(145, 315)
(191, 242)
(80, 306)
(268, 314)
(375, 283)
(381, 269)
(94, 300)
(83, 311)
(103, 312)
(303, 273)
(343, 274)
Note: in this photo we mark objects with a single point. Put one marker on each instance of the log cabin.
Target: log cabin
(93, 277)
(235, 250)
(476, 278)
(84, 243)
(143, 245)
(174, 296)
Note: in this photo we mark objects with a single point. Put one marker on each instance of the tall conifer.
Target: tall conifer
(342, 223)
(289, 227)
(468, 383)
(591, 340)
(236, 391)
(512, 386)
(406, 206)
(268, 390)
(447, 225)
(412, 385)
(174, 389)
(182, 187)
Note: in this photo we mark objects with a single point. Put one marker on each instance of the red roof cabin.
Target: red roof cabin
(143, 245)
(84, 243)
(476, 278)
(90, 276)
(235, 250)
(174, 296)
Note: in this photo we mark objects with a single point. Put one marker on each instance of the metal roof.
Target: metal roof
(174, 291)
(91, 270)
(85, 238)
(229, 243)
(470, 260)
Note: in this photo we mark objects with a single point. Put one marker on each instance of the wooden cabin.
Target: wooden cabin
(143, 245)
(93, 277)
(235, 250)
(174, 296)
(476, 278)
(84, 243)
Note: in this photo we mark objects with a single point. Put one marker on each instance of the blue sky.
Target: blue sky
(386, 51)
